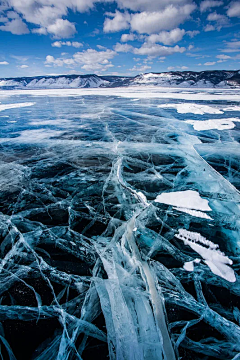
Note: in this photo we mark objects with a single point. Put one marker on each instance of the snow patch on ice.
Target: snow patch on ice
(216, 260)
(195, 213)
(218, 124)
(188, 199)
(55, 122)
(36, 136)
(189, 265)
(232, 108)
(192, 108)
(13, 106)
(136, 92)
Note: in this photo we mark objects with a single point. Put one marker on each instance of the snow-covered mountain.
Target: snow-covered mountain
(206, 79)
(203, 79)
(48, 82)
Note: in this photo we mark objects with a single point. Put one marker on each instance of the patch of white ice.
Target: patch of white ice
(189, 199)
(192, 108)
(189, 265)
(216, 260)
(13, 106)
(218, 124)
(195, 213)
(36, 136)
(56, 122)
(232, 108)
(135, 92)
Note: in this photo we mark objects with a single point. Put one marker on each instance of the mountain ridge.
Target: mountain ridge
(206, 79)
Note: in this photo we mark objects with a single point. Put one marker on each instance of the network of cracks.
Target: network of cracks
(93, 264)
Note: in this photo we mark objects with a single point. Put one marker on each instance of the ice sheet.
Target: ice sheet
(106, 205)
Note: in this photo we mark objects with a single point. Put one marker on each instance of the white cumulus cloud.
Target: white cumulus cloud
(232, 46)
(147, 22)
(51, 61)
(209, 27)
(167, 37)
(123, 47)
(93, 60)
(116, 22)
(223, 57)
(192, 33)
(140, 68)
(47, 15)
(89, 60)
(209, 4)
(147, 5)
(15, 26)
(62, 29)
(220, 20)
(170, 68)
(157, 50)
(234, 9)
(59, 44)
(167, 19)
(210, 63)
(127, 37)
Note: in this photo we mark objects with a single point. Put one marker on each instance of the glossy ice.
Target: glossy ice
(119, 224)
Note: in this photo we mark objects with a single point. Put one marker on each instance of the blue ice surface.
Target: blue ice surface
(91, 266)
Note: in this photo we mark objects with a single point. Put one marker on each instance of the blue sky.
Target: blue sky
(121, 37)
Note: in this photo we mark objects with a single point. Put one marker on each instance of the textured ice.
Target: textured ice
(119, 226)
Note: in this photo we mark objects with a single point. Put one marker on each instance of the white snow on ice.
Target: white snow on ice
(188, 199)
(232, 108)
(13, 106)
(36, 136)
(216, 260)
(189, 265)
(192, 108)
(136, 92)
(218, 124)
(195, 213)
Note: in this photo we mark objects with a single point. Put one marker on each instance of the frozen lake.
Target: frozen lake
(119, 224)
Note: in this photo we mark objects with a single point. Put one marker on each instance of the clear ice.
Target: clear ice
(119, 225)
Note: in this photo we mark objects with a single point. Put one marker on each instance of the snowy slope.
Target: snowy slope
(203, 79)
(55, 82)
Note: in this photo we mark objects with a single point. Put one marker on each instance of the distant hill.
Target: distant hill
(185, 79)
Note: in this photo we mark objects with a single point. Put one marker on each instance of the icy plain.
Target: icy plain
(120, 224)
